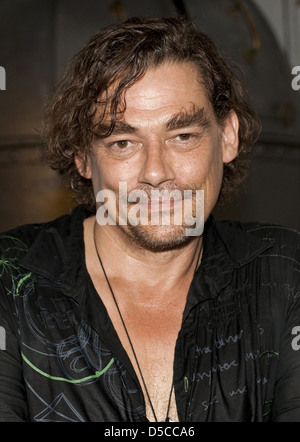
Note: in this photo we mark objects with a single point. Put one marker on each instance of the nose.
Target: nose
(156, 168)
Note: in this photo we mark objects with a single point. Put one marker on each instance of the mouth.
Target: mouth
(161, 205)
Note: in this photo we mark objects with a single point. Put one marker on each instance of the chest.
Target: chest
(148, 333)
(149, 339)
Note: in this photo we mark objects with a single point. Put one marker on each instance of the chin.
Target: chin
(159, 238)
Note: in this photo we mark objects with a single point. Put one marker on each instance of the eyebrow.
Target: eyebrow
(196, 117)
(104, 130)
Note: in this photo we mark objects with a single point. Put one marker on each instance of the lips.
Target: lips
(159, 204)
(163, 204)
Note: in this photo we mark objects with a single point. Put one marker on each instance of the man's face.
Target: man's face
(167, 139)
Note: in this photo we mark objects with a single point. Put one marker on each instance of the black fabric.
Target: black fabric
(236, 356)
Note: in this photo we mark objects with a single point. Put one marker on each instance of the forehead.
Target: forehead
(161, 94)
(171, 84)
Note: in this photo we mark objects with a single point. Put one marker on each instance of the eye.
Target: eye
(184, 137)
(122, 144)
(123, 147)
(185, 140)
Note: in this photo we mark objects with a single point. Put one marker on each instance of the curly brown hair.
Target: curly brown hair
(120, 55)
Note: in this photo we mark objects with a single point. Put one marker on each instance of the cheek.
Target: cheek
(213, 182)
(204, 169)
(108, 174)
(97, 169)
(214, 175)
(205, 172)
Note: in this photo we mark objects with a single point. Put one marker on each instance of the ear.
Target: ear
(83, 166)
(230, 137)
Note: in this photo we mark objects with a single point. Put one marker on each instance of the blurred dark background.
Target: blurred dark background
(38, 38)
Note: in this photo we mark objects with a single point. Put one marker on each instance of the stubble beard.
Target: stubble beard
(158, 238)
(163, 235)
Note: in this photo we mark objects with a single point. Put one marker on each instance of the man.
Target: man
(112, 317)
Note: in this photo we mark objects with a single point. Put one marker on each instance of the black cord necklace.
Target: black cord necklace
(167, 419)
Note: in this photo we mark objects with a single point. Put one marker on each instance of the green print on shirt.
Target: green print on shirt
(22, 284)
(71, 381)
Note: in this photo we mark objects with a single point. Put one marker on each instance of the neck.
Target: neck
(125, 261)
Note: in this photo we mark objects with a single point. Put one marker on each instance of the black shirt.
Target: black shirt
(237, 354)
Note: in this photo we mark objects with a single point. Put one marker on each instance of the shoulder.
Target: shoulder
(16, 242)
(280, 262)
(281, 237)
(20, 239)
(272, 271)
(36, 249)
(285, 240)
(274, 244)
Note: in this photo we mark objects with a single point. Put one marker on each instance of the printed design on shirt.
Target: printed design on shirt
(79, 359)
(217, 367)
(62, 379)
(76, 354)
(58, 347)
(22, 282)
(267, 405)
(56, 411)
(60, 409)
